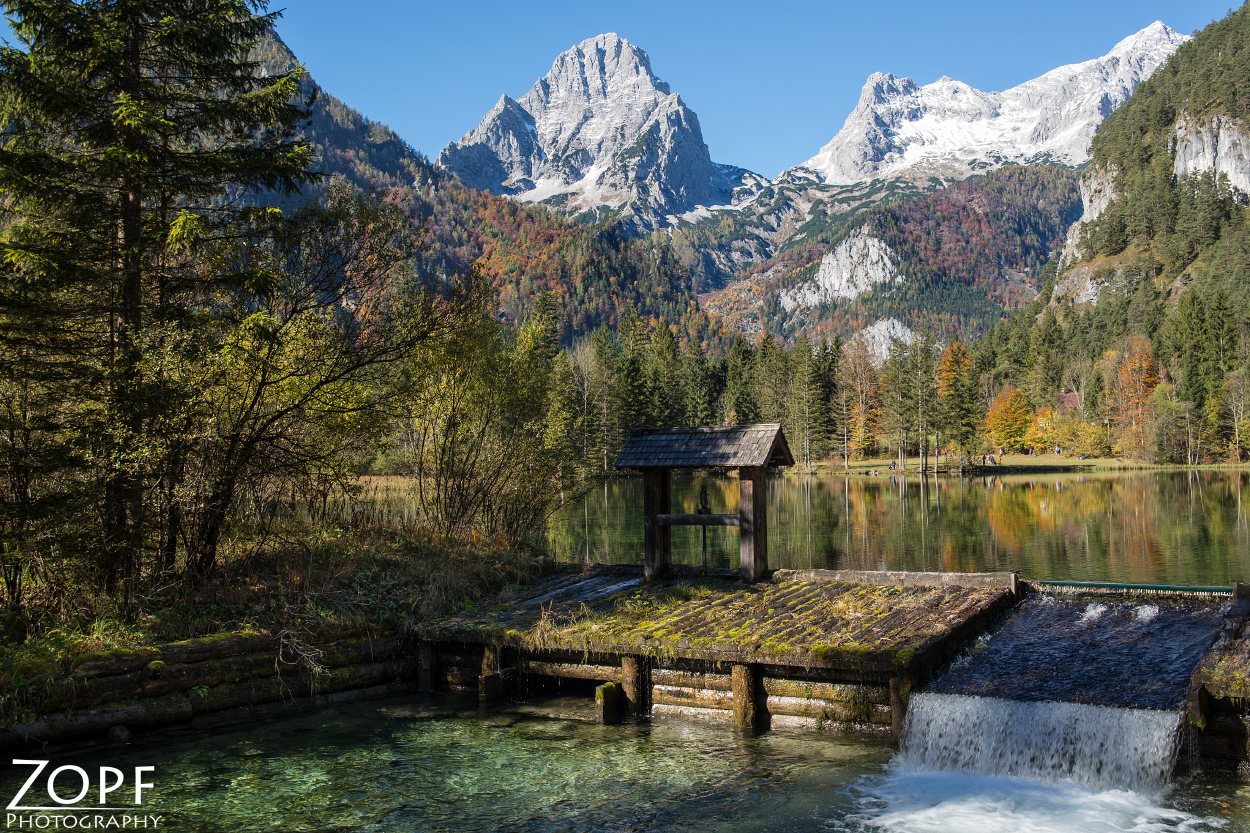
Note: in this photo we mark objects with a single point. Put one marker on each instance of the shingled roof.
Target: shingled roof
(725, 447)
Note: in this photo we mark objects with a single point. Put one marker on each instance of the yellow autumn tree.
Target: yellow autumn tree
(1042, 433)
(1008, 419)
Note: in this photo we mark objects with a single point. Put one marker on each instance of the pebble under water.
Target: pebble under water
(421, 763)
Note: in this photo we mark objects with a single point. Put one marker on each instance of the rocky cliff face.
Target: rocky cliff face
(1096, 194)
(948, 129)
(1215, 143)
(599, 131)
(854, 267)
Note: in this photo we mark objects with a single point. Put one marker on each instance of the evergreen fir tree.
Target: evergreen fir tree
(129, 132)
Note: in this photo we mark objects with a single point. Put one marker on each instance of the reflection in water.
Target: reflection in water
(1160, 528)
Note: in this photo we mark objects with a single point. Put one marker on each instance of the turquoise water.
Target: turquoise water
(441, 764)
(1189, 528)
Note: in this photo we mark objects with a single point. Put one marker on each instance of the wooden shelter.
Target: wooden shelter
(752, 449)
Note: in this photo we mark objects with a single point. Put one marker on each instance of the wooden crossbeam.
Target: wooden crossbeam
(697, 520)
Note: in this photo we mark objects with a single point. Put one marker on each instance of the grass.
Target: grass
(321, 585)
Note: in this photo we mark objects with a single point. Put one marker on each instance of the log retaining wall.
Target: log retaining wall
(149, 688)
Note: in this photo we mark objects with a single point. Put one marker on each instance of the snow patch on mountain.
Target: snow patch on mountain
(948, 129)
(853, 267)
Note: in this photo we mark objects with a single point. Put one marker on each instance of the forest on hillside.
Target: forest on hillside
(967, 254)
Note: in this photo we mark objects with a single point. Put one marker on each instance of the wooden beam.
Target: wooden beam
(745, 682)
(636, 682)
(569, 669)
(656, 539)
(753, 521)
(696, 520)
(608, 703)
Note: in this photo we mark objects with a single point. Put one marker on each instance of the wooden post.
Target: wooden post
(657, 540)
(899, 689)
(490, 683)
(608, 703)
(745, 685)
(636, 683)
(753, 523)
(425, 667)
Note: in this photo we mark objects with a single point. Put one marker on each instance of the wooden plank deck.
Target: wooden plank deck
(793, 620)
(811, 649)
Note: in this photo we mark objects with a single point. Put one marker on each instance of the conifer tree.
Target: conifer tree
(897, 398)
(957, 396)
(130, 131)
(1191, 344)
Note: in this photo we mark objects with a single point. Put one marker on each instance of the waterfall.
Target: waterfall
(1099, 747)
(1089, 692)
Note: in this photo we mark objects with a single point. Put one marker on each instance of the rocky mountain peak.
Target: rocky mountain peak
(598, 69)
(598, 133)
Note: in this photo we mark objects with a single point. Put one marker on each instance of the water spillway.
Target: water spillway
(1100, 747)
(1083, 690)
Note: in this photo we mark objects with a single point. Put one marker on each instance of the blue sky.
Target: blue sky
(771, 80)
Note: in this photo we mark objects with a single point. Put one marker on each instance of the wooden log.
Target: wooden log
(656, 539)
(569, 670)
(667, 695)
(608, 703)
(696, 520)
(745, 682)
(636, 683)
(753, 522)
(996, 581)
(830, 711)
(175, 653)
(157, 679)
(360, 650)
(715, 715)
(848, 693)
(687, 679)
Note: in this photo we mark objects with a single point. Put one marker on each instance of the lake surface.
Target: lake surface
(441, 764)
(1187, 528)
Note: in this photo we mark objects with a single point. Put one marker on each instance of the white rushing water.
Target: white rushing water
(906, 800)
(989, 765)
(1098, 747)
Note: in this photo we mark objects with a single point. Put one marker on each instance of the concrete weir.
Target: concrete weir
(816, 649)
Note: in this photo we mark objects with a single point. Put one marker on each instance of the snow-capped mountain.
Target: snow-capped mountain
(599, 130)
(948, 129)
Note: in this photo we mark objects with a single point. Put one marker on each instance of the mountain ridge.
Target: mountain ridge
(899, 128)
